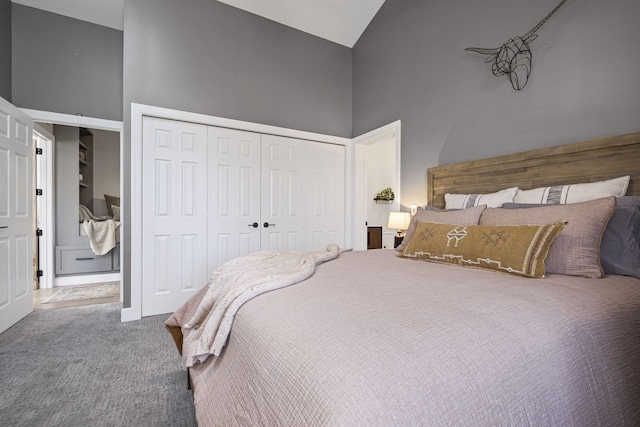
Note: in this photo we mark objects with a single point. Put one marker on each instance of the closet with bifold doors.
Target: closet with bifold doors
(211, 194)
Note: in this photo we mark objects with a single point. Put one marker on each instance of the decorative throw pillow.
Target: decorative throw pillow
(575, 193)
(492, 200)
(116, 213)
(576, 251)
(620, 245)
(515, 249)
(111, 201)
(462, 217)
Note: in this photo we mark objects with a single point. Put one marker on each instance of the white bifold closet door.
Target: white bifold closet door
(174, 214)
(213, 194)
(234, 195)
(325, 195)
(283, 190)
(271, 192)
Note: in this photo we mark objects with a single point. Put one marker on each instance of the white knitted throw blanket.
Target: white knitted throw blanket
(102, 235)
(235, 283)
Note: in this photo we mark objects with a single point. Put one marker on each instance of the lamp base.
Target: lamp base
(397, 239)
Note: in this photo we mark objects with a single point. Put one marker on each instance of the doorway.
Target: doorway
(47, 183)
(377, 166)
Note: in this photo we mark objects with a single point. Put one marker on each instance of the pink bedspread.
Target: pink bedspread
(375, 340)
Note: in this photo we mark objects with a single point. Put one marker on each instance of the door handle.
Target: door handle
(267, 225)
(4, 226)
(254, 225)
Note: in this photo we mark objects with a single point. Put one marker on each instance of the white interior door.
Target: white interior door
(283, 194)
(174, 215)
(234, 194)
(325, 195)
(16, 215)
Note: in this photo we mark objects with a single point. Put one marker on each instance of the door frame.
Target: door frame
(88, 122)
(48, 238)
(392, 130)
(138, 111)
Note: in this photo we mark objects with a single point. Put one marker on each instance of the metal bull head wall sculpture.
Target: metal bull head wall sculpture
(514, 57)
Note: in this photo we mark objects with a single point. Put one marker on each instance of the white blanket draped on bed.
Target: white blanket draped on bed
(235, 283)
(102, 235)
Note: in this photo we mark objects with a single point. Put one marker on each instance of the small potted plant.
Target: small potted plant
(385, 196)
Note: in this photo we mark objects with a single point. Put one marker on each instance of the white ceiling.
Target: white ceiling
(340, 21)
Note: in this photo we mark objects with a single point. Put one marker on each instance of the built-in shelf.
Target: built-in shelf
(83, 150)
(383, 201)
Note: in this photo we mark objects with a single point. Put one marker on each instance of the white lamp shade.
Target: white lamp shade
(399, 220)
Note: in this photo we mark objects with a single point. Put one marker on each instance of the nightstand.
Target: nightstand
(374, 237)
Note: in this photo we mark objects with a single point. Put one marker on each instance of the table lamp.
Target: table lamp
(398, 221)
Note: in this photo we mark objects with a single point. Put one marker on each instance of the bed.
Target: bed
(372, 338)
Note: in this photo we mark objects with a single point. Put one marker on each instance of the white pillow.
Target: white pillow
(575, 193)
(492, 200)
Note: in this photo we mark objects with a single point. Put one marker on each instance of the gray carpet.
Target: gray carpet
(82, 367)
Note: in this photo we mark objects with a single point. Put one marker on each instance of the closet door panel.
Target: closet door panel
(234, 194)
(325, 195)
(174, 213)
(283, 193)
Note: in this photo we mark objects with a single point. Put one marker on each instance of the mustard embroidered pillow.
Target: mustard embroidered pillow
(515, 249)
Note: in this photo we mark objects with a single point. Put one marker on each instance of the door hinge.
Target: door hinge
(38, 150)
(38, 191)
(38, 232)
(39, 273)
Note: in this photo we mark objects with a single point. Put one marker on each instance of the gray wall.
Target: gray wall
(5, 49)
(411, 65)
(65, 65)
(207, 57)
(66, 183)
(106, 172)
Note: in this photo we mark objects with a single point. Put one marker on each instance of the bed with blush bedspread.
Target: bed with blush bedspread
(407, 342)
(544, 330)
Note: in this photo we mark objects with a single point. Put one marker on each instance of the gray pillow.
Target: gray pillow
(620, 245)
(576, 251)
(111, 201)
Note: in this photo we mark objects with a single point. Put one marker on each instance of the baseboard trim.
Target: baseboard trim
(86, 279)
(129, 315)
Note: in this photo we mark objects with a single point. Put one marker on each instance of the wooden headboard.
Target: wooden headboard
(586, 161)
